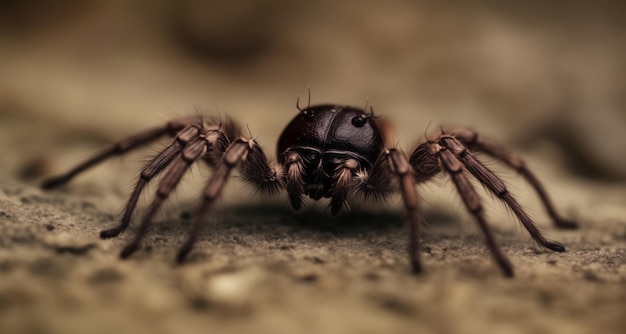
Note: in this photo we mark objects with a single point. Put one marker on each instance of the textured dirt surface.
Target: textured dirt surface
(78, 78)
(260, 268)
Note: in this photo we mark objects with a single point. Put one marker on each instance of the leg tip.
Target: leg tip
(182, 255)
(52, 182)
(185, 249)
(110, 233)
(566, 224)
(555, 246)
(416, 268)
(506, 266)
(129, 250)
(508, 273)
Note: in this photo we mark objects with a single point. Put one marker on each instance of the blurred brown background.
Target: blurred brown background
(532, 72)
(547, 78)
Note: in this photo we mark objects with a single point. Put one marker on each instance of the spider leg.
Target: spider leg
(376, 184)
(235, 152)
(152, 169)
(497, 187)
(266, 176)
(402, 169)
(453, 166)
(119, 148)
(472, 140)
(342, 178)
(294, 179)
(192, 152)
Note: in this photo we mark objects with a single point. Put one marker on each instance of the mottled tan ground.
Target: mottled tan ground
(259, 268)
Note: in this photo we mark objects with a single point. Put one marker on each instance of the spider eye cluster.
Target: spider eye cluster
(308, 113)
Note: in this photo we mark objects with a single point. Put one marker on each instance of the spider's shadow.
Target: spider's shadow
(274, 216)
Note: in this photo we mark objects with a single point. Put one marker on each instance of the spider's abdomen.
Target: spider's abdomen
(332, 129)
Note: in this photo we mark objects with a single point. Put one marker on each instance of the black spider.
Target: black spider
(326, 151)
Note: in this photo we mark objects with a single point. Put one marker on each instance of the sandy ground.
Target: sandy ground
(261, 268)
(548, 90)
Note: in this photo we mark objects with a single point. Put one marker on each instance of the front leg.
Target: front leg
(404, 172)
(265, 175)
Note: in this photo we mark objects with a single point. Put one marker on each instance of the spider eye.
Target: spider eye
(359, 121)
(308, 113)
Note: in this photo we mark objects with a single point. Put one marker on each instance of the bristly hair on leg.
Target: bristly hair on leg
(294, 179)
(266, 176)
(377, 185)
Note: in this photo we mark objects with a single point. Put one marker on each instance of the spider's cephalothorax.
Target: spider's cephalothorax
(326, 146)
(326, 151)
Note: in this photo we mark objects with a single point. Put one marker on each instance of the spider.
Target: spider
(326, 151)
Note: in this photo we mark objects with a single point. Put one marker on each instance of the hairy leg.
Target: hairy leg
(266, 176)
(152, 169)
(342, 181)
(119, 148)
(473, 141)
(235, 152)
(497, 187)
(404, 172)
(170, 180)
(377, 183)
(294, 179)
(455, 169)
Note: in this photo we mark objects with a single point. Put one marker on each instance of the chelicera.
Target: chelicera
(326, 151)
